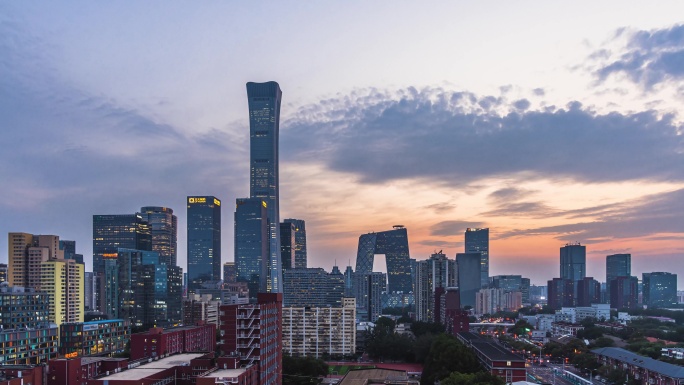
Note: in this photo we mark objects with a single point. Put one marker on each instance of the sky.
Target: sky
(548, 123)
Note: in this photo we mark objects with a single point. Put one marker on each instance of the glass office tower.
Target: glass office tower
(477, 241)
(300, 242)
(204, 241)
(251, 244)
(573, 262)
(164, 230)
(617, 265)
(264, 122)
(394, 244)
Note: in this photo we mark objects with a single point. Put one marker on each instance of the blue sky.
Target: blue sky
(548, 123)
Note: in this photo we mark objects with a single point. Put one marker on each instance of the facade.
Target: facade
(320, 331)
(164, 230)
(588, 292)
(229, 272)
(111, 232)
(94, 338)
(573, 262)
(254, 332)
(312, 287)
(624, 293)
(300, 242)
(436, 272)
(394, 244)
(89, 287)
(490, 301)
(22, 375)
(204, 241)
(26, 253)
(660, 289)
(264, 178)
(158, 342)
(3, 272)
(27, 336)
(62, 280)
(377, 284)
(252, 243)
(202, 308)
(287, 245)
(644, 369)
(617, 265)
(68, 249)
(469, 276)
(561, 293)
(477, 241)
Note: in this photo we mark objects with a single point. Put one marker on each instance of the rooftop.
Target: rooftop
(663, 368)
(153, 367)
(230, 373)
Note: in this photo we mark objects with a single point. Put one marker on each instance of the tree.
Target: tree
(303, 370)
(447, 355)
(479, 378)
(419, 328)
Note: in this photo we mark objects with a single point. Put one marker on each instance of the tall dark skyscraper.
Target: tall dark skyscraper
(394, 244)
(617, 265)
(251, 244)
(204, 241)
(287, 247)
(469, 281)
(300, 242)
(477, 241)
(264, 123)
(573, 262)
(164, 229)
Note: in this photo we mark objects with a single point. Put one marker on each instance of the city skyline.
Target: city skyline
(546, 135)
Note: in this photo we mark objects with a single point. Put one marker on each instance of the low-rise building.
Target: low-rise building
(94, 338)
(561, 329)
(161, 342)
(21, 375)
(201, 308)
(644, 369)
(494, 358)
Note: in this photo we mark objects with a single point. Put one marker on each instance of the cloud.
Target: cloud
(648, 58)
(522, 209)
(643, 217)
(441, 208)
(508, 194)
(458, 138)
(452, 228)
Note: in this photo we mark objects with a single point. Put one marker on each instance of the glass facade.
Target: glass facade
(96, 338)
(469, 277)
(251, 244)
(659, 289)
(477, 241)
(164, 231)
(313, 287)
(573, 262)
(300, 242)
(394, 244)
(204, 241)
(264, 122)
(287, 245)
(617, 265)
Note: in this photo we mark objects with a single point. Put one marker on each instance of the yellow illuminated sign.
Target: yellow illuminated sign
(197, 200)
(263, 203)
(217, 202)
(110, 255)
(71, 355)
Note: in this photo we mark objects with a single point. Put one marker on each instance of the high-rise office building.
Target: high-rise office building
(164, 230)
(264, 124)
(477, 241)
(204, 241)
(394, 244)
(573, 262)
(300, 242)
(561, 293)
(617, 265)
(89, 287)
(660, 289)
(469, 276)
(110, 232)
(287, 245)
(229, 272)
(251, 244)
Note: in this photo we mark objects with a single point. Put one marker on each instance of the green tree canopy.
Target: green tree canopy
(303, 370)
(447, 355)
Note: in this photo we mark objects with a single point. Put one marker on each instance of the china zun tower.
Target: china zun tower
(264, 121)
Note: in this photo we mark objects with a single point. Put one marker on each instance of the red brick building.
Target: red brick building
(21, 375)
(159, 342)
(494, 358)
(253, 332)
(78, 370)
